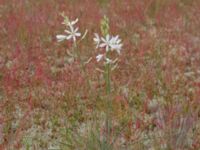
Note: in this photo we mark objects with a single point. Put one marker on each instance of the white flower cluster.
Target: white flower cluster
(71, 32)
(110, 43)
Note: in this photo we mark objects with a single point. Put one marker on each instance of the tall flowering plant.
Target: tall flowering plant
(108, 44)
(71, 33)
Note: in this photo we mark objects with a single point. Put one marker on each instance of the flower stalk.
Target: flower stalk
(108, 78)
(72, 34)
(108, 44)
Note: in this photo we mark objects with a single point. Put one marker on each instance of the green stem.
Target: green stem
(107, 79)
(109, 102)
(75, 50)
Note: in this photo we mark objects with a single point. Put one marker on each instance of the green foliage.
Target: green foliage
(103, 3)
(187, 2)
(91, 141)
(27, 142)
(155, 7)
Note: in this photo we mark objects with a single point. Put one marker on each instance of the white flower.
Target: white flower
(117, 47)
(115, 39)
(109, 43)
(106, 42)
(99, 57)
(73, 33)
(97, 40)
(60, 38)
(115, 44)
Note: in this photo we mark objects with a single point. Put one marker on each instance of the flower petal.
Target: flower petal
(74, 22)
(77, 34)
(61, 37)
(99, 57)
